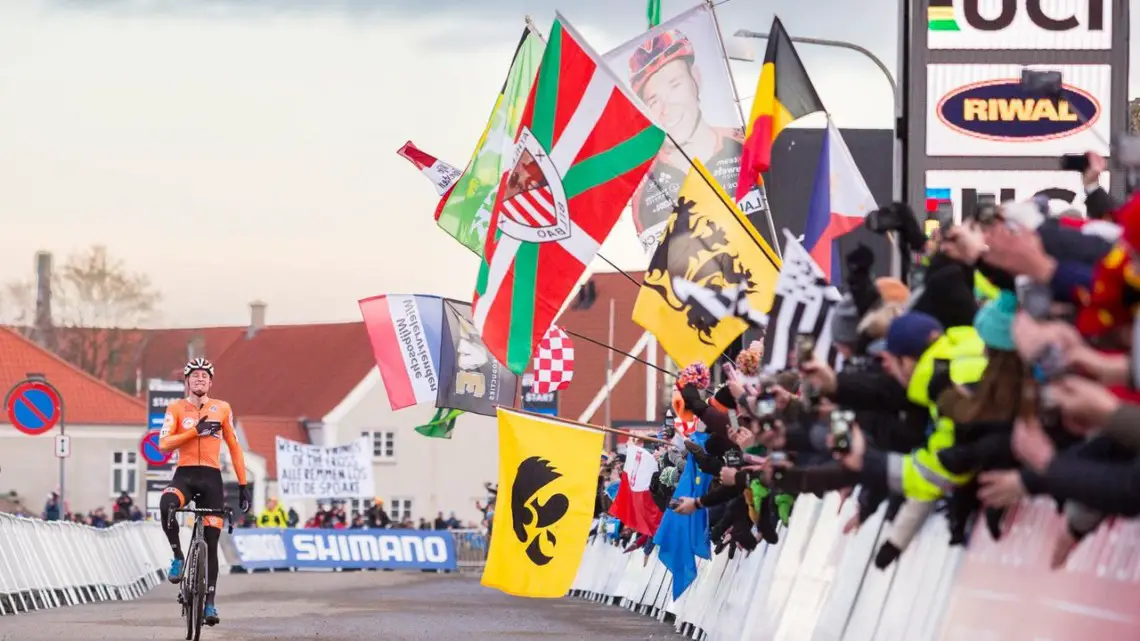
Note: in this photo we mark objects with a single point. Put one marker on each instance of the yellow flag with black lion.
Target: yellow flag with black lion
(709, 242)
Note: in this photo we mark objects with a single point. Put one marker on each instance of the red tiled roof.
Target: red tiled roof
(165, 351)
(627, 403)
(261, 432)
(293, 370)
(87, 400)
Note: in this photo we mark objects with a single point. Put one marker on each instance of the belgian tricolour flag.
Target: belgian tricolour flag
(784, 94)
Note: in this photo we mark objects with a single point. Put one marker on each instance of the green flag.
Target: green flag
(654, 13)
(440, 425)
(465, 213)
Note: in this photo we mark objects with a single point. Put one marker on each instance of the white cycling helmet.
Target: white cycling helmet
(198, 364)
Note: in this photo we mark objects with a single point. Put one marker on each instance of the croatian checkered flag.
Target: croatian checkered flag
(553, 362)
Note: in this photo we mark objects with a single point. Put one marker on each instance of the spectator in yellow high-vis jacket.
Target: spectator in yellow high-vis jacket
(273, 516)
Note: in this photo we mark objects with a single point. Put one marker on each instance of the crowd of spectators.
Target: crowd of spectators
(999, 367)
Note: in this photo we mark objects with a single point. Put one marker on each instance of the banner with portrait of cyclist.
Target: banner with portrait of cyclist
(679, 71)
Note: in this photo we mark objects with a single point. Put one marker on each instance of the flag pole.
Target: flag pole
(618, 351)
(589, 426)
(610, 373)
(744, 123)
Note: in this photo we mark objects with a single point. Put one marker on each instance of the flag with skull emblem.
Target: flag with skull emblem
(470, 378)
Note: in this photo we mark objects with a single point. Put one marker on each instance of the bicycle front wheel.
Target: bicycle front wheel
(199, 586)
(187, 590)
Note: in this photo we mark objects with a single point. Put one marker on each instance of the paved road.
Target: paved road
(342, 607)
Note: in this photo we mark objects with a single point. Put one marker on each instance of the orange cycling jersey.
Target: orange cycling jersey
(180, 432)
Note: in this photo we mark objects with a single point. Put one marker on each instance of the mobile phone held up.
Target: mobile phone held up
(805, 349)
(841, 422)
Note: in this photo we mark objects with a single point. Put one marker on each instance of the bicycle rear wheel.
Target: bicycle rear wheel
(187, 588)
(199, 581)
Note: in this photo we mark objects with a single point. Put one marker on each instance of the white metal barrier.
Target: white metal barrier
(48, 564)
(818, 584)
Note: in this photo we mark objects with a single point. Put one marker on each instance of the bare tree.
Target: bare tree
(97, 304)
(1134, 115)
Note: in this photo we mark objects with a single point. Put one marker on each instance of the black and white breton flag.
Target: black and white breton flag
(804, 303)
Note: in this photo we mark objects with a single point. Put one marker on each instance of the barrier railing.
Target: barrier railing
(818, 584)
(470, 549)
(48, 564)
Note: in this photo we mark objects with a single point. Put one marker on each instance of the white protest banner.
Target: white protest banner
(315, 472)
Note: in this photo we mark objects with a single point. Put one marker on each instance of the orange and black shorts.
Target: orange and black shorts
(201, 484)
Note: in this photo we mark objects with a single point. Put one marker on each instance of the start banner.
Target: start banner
(259, 549)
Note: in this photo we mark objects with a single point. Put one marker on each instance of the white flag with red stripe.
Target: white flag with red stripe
(634, 505)
(441, 174)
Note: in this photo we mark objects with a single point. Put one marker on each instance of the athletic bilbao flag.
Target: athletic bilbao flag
(441, 174)
(582, 147)
(634, 505)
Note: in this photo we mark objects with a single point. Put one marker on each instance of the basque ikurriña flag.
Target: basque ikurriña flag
(582, 147)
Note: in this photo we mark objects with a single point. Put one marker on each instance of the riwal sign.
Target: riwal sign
(1056, 25)
(1063, 188)
(981, 110)
(376, 549)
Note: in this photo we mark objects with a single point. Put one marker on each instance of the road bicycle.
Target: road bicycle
(192, 590)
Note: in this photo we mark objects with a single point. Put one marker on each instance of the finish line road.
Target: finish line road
(342, 606)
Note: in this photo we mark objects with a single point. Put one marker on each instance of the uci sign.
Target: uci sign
(1019, 24)
(999, 110)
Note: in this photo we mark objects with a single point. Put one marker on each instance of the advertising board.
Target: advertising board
(981, 110)
(961, 101)
(376, 549)
(1020, 24)
(1007, 590)
(1064, 188)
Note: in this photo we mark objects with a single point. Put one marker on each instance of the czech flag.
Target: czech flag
(840, 201)
(784, 94)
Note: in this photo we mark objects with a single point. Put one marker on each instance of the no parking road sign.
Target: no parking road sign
(34, 407)
(148, 447)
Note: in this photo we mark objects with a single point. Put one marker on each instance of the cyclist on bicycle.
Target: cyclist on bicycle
(196, 426)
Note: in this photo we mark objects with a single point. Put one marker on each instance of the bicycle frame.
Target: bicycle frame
(192, 593)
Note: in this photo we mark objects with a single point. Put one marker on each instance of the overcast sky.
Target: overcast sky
(244, 149)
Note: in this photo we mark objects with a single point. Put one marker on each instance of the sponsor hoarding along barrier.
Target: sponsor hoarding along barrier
(342, 549)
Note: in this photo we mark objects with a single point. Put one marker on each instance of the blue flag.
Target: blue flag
(682, 537)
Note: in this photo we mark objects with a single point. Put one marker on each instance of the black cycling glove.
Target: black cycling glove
(245, 498)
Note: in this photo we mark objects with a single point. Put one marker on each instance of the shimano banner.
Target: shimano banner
(379, 549)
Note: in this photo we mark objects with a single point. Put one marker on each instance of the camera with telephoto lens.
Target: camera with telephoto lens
(763, 410)
(733, 459)
(888, 218)
(841, 422)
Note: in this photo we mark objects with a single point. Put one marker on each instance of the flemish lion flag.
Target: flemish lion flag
(708, 242)
(548, 479)
(582, 148)
(784, 94)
